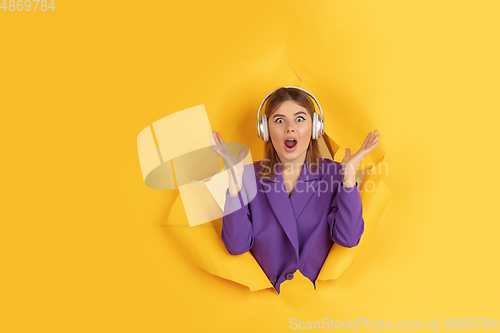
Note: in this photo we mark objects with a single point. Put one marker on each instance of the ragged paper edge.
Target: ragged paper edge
(201, 241)
(204, 246)
(375, 197)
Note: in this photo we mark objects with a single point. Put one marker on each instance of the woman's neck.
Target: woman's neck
(292, 166)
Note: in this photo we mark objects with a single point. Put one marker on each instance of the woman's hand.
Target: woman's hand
(350, 162)
(233, 164)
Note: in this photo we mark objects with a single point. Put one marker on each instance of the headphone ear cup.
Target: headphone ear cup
(264, 128)
(260, 126)
(315, 127)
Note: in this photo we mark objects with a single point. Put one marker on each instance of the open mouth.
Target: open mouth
(290, 145)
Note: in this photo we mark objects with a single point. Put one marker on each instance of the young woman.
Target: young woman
(302, 203)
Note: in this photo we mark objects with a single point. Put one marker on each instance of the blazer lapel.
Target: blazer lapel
(282, 208)
(305, 187)
(288, 209)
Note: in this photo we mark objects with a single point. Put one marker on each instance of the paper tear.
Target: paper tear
(196, 217)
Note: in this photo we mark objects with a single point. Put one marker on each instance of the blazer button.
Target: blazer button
(289, 276)
(272, 278)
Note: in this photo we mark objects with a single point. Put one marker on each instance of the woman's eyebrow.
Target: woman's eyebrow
(282, 115)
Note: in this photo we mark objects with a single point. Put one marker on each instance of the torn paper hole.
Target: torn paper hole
(196, 217)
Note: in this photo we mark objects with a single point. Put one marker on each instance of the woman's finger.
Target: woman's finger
(222, 142)
(373, 145)
(366, 140)
(219, 140)
(212, 137)
(214, 145)
(216, 138)
(214, 141)
(375, 139)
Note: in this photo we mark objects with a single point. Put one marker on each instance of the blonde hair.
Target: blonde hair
(271, 156)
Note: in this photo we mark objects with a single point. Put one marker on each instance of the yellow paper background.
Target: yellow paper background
(84, 247)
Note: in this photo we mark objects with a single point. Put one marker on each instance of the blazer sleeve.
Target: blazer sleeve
(345, 220)
(237, 230)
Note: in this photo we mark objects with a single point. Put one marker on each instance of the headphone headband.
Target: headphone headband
(307, 92)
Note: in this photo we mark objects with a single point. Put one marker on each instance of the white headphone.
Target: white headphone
(317, 124)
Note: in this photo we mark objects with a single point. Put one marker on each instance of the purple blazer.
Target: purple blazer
(297, 232)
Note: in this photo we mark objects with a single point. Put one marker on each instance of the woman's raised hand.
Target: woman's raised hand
(352, 161)
(232, 163)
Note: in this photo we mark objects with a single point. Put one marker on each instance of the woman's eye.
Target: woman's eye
(301, 118)
(278, 120)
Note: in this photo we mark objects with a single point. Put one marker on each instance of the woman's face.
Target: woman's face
(289, 121)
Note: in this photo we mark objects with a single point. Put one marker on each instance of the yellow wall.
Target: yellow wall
(84, 247)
